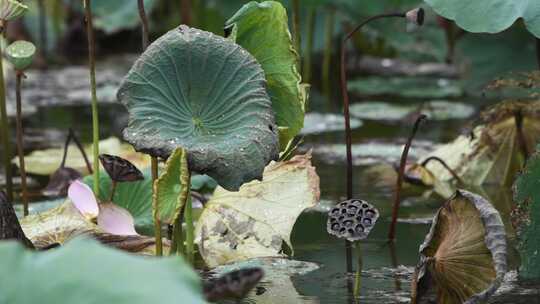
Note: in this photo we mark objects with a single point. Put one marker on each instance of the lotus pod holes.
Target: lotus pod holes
(352, 220)
(204, 93)
(21, 54)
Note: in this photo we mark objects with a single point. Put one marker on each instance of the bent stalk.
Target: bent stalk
(20, 147)
(95, 114)
(399, 183)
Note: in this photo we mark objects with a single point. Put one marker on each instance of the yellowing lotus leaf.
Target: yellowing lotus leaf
(494, 152)
(464, 254)
(256, 220)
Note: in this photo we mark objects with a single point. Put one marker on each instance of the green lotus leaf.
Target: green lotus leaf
(527, 213)
(206, 94)
(491, 16)
(259, 218)
(464, 254)
(262, 29)
(494, 152)
(84, 271)
(11, 9)
(21, 54)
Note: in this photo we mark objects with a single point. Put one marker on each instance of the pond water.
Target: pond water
(387, 268)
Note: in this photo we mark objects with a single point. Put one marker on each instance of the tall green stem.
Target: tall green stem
(358, 276)
(95, 115)
(185, 199)
(328, 47)
(155, 207)
(190, 229)
(309, 45)
(20, 148)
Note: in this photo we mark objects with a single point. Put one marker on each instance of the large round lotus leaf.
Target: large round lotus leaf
(86, 272)
(490, 16)
(204, 93)
(464, 254)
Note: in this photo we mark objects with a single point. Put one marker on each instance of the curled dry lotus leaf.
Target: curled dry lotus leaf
(494, 152)
(21, 54)
(464, 253)
(352, 220)
(233, 285)
(9, 224)
(201, 92)
(11, 9)
(119, 169)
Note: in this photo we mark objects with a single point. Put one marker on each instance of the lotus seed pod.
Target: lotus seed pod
(11, 9)
(352, 220)
(21, 54)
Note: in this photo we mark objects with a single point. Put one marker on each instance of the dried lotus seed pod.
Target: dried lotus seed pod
(352, 220)
(119, 169)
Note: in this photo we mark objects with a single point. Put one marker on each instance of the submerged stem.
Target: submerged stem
(20, 147)
(95, 114)
(399, 183)
(4, 129)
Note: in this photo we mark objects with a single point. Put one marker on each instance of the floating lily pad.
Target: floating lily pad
(46, 162)
(464, 254)
(195, 90)
(258, 219)
(493, 155)
(527, 215)
(316, 123)
(263, 30)
(93, 273)
(406, 87)
(435, 110)
(489, 16)
(371, 152)
(277, 281)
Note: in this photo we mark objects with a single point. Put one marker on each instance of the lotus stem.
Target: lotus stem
(66, 147)
(4, 128)
(95, 114)
(327, 57)
(296, 27)
(358, 275)
(113, 190)
(399, 183)
(177, 246)
(309, 45)
(348, 133)
(20, 147)
(185, 10)
(43, 27)
(75, 139)
(445, 165)
(185, 196)
(144, 23)
(155, 206)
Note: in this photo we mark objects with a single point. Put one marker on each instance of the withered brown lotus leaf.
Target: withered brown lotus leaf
(464, 254)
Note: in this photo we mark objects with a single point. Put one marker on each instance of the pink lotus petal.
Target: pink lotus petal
(116, 220)
(83, 198)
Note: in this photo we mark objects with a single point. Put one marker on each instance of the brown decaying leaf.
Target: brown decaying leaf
(464, 254)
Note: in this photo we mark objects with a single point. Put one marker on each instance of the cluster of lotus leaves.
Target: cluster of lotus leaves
(464, 254)
(494, 152)
(204, 93)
